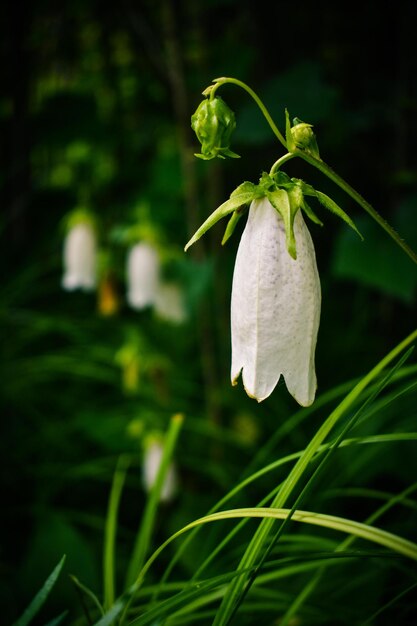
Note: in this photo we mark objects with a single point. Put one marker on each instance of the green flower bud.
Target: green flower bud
(213, 123)
(304, 137)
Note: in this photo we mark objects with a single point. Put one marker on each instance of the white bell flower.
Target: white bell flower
(80, 257)
(152, 460)
(275, 310)
(143, 275)
(169, 303)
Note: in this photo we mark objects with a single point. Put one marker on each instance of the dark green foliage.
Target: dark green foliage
(95, 109)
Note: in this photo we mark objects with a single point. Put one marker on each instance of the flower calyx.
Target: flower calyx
(214, 122)
(287, 196)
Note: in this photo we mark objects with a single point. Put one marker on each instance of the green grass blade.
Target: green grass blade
(41, 596)
(57, 620)
(311, 585)
(394, 600)
(110, 532)
(372, 439)
(254, 549)
(265, 452)
(145, 531)
(85, 591)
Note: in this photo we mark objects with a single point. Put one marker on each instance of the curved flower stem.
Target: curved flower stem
(317, 163)
(327, 170)
(234, 81)
(281, 161)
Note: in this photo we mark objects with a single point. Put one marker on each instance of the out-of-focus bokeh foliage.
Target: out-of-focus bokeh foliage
(95, 108)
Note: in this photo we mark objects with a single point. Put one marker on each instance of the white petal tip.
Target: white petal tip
(252, 393)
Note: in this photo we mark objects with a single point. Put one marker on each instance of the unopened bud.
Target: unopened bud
(305, 138)
(213, 123)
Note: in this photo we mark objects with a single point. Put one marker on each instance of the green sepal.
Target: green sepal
(244, 194)
(328, 203)
(310, 213)
(281, 202)
(282, 179)
(331, 205)
(291, 147)
(231, 224)
(80, 215)
(305, 189)
(226, 153)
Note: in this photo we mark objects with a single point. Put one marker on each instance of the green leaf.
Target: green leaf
(41, 596)
(331, 205)
(244, 194)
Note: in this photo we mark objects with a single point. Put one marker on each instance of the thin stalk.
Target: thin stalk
(317, 163)
(327, 170)
(234, 81)
(281, 161)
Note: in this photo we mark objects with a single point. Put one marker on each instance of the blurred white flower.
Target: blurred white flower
(275, 309)
(80, 257)
(169, 303)
(152, 460)
(143, 269)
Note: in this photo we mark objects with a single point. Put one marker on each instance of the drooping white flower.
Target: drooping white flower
(169, 303)
(143, 275)
(80, 257)
(152, 461)
(275, 309)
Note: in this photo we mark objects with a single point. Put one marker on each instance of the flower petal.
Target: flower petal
(80, 258)
(142, 275)
(275, 309)
(152, 461)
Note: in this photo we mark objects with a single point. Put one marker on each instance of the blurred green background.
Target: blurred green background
(95, 106)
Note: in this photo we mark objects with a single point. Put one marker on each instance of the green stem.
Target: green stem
(317, 163)
(327, 170)
(281, 161)
(234, 81)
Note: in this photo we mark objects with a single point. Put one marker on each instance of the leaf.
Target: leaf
(244, 194)
(41, 596)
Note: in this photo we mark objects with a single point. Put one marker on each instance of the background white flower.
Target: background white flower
(80, 258)
(275, 309)
(169, 303)
(142, 274)
(151, 463)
